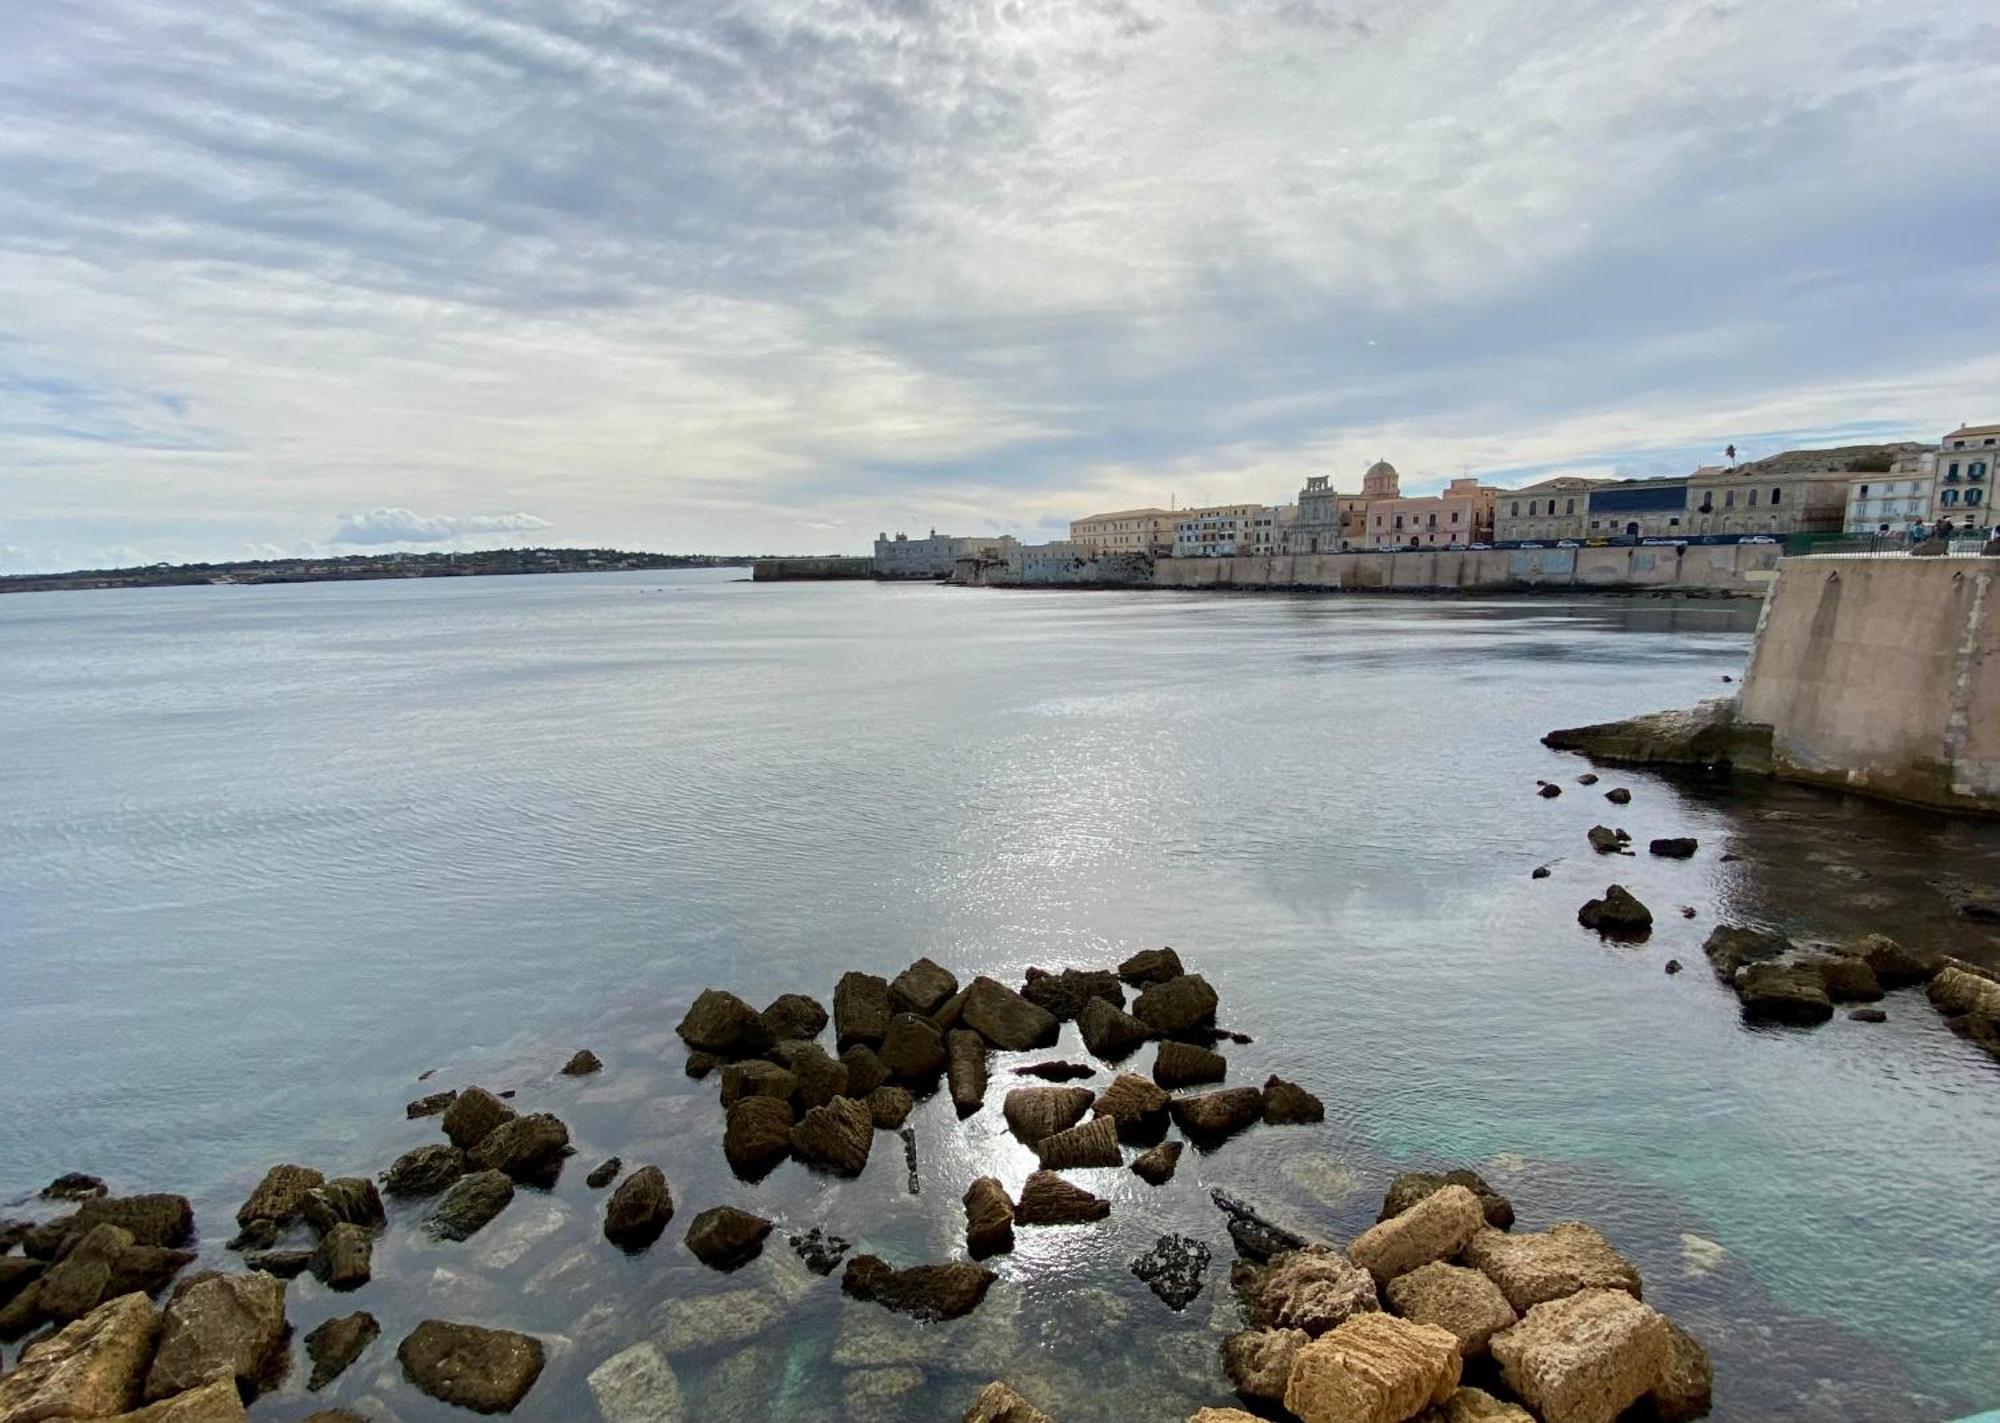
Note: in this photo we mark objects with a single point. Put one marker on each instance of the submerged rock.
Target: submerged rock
(723, 1237)
(1004, 1018)
(429, 1106)
(930, 1292)
(637, 1385)
(485, 1370)
(1584, 1358)
(229, 1326)
(335, 1344)
(74, 1186)
(1256, 1236)
(1259, 1361)
(821, 1251)
(1375, 1368)
(1173, 1269)
(1156, 1167)
(1151, 966)
(1533, 1268)
(1109, 1031)
(1047, 1199)
(471, 1202)
(582, 1064)
(1618, 914)
(998, 1403)
(424, 1171)
(989, 1218)
(1178, 1064)
(836, 1137)
(639, 1209)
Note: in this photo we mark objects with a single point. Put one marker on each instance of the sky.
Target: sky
(309, 276)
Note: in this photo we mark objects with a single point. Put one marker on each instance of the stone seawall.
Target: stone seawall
(1882, 675)
(780, 570)
(1745, 569)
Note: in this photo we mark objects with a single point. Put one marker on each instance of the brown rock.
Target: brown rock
(164, 1221)
(429, 1106)
(1584, 1358)
(836, 1137)
(1375, 1368)
(1136, 1105)
(639, 1209)
(1108, 1031)
(1435, 1228)
(912, 1049)
(344, 1258)
(1065, 993)
(1095, 1143)
(1004, 1018)
(1783, 992)
(1472, 1405)
(77, 1283)
(998, 1403)
(758, 1134)
(860, 1009)
(472, 1201)
(1314, 1288)
(721, 1023)
(214, 1402)
(1179, 1064)
(1412, 1186)
(965, 1070)
(865, 1071)
(582, 1063)
(220, 1326)
(350, 1199)
(424, 1171)
(1037, 1112)
(1288, 1104)
(1618, 914)
(473, 1114)
(1222, 1415)
(821, 1077)
(1047, 1199)
(922, 988)
(1151, 966)
(1214, 1115)
(1894, 966)
(989, 1218)
(1618, 795)
(1687, 1390)
(279, 1195)
(1462, 1302)
(756, 1077)
(485, 1370)
(90, 1369)
(723, 1237)
(890, 1107)
(334, 1345)
(529, 1149)
(794, 1015)
(1180, 1005)
(1532, 1268)
(930, 1292)
(1259, 1361)
(1156, 1167)
(1057, 1071)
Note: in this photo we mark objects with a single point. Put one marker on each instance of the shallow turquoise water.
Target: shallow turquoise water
(267, 854)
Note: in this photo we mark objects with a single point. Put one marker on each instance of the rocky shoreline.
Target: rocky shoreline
(1438, 1312)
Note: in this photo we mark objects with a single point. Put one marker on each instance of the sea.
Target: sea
(276, 860)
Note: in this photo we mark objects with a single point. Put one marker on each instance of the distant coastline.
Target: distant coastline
(360, 567)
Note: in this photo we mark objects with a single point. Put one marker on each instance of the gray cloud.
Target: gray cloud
(406, 526)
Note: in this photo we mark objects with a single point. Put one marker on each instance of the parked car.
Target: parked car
(1479, 547)
(1664, 543)
(1528, 545)
(1759, 539)
(1568, 543)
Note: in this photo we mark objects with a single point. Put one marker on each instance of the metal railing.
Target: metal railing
(1892, 547)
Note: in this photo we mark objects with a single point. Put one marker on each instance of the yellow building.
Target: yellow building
(1557, 508)
(1126, 531)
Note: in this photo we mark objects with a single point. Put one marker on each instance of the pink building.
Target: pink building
(1462, 514)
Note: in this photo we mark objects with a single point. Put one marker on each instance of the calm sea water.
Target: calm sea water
(267, 855)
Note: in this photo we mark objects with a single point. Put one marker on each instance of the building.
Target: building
(1638, 508)
(1964, 476)
(1328, 521)
(1557, 508)
(1126, 531)
(1461, 514)
(1796, 492)
(1270, 529)
(1220, 531)
(1895, 502)
(932, 557)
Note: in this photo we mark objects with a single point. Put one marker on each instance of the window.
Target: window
(1952, 473)
(1729, 500)
(1753, 499)
(1774, 495)
(1674, 523)
(1950, 497)
(1972, 496)
(1864, 491)
(1514, 509)
(1976, 470)
(1569, 506)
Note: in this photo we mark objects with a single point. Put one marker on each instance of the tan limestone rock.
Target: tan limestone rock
(1315, 1289)
(92, 1368)
(1373, 1369)
(1472, 1405)
(1095, 1143)
(214, 1402)
(1688, 1388)
(998, 1403)
(1259, 1361)
(1463, 1302)
(1435, 1228)
(1539, 1266)
(1037, 1112)
(1585, 1358)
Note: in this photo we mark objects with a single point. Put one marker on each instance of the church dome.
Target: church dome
(1381, 481)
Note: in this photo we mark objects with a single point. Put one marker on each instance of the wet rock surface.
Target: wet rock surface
(1004, 1018)
(582, 1063)
(1435, 1228)
(1618, 914)
(344, 1257)
(604, 1173)
(230, 1326)
(794, 1016)
(1108, 1031)
(930, 1292)
(1179, 1005)
(424, 1171)
(1064, 994)
(1462, 1302)
(1047, 1199)
(1173, 1269)
(989, 1218)
(912, 1049)
(1409, 1187)
(1533, 1268)
(638, 1211)
(997, 1403)
(530, 1149)
(471, 1115)
(1259, 1361)
(1288, 1104)
(890, 1107)
(471, 1202)
(484, 1370)
(725, 1238)
(1212, 1116)
(758, 1134)
(1093, 1143)
(280, 1195)
(821, 1252)
(1157, 1166)
(1584, 1358)
(860, 1009)
(965, 1070)
(337, 1343)
(721, 1023)
(1034, 1113)
(1375, 1368)
(1150, 966)
(1177, 1064)
(836, 1137)
(94, 1367)
(1313, 1288)
(922, 988)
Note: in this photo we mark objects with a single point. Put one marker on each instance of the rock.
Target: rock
(17, 1273)
(1472, 1405)
(1680, 847)
(604, 1173)
(1109, 1031)
(879, 1392)
(1687, 1389)
(90, 1369)
(912, 1049)
(1533, 1268)
(471, 1202)
(1095, 1143)
(1314, 1288)
(1047, 1199)
(1957, 993)
(1057, 1071)
(1782, 992)
(865, 1071)
(1151, 966)
(1214, 1115)
(334, 1345)
(889, 1107)
(1540, 872)
(345, 1199)
(1156, 1167)
(1137, 1106)
(639, 1209)
(637, 1385)
(1604, 840)
(721, 1023)
(429, 1106)
(1548, 790)
(73, 1286)
(836, 1137)
(1412, 1186)
(485, 1370)
(989, 1218)
(998, 1403)
(758, 1134)
(582, 1064)
(1065, 993)
(1618, 795)
(1256, 1236)
(686, 1326)
(1288, 1104)
(965, 1070)
(860, 1009)
(1845, 978)
(1259, 1361)
(922, 988)
(794, 1016)
(214, 1402)
(1034, 1113)
(756, 1077)
(929, 1292)
(1868, 1015)
(285, 1264)
(909, 1137)
(472, 1115)
(1584, 1358)
(948, 1014)
(1730, 947)
(529, 1149)
(258, 1235)
(279, 1195)
(1462, 1302)
(1173, 1269)
(723, 1237)
(1004, 1018)
(700, 1064)
(1179, 1064)
(230, 1326)
(344, 1258)
(1375, 1368)
(160, 1220)
(1673, 966)
(424, 1171)
(1180, 1005)
(821, 1252)
(821, 1077)
(1618, 913)
(1894, 966)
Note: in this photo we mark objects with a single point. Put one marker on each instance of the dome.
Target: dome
(1381, 481)
(1381, 469)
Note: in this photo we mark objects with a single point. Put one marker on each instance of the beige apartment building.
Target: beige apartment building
(1557, 508)
(1219, 531)
(1328, 521)
(1126, 531)
(1462, 514)
(1964, 483)
(1797, 492)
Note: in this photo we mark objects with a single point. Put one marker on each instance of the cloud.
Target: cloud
(406, 526)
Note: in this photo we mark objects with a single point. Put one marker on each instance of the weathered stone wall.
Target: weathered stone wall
(1883, 675)
(778, 570)
(1721, 568)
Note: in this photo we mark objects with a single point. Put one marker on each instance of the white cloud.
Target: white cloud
(406, 526)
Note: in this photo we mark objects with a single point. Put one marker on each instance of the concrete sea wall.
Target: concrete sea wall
(1714, 568)
(1882, 675)
(779, 570)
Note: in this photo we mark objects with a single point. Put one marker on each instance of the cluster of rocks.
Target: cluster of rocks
(1550, 1323)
